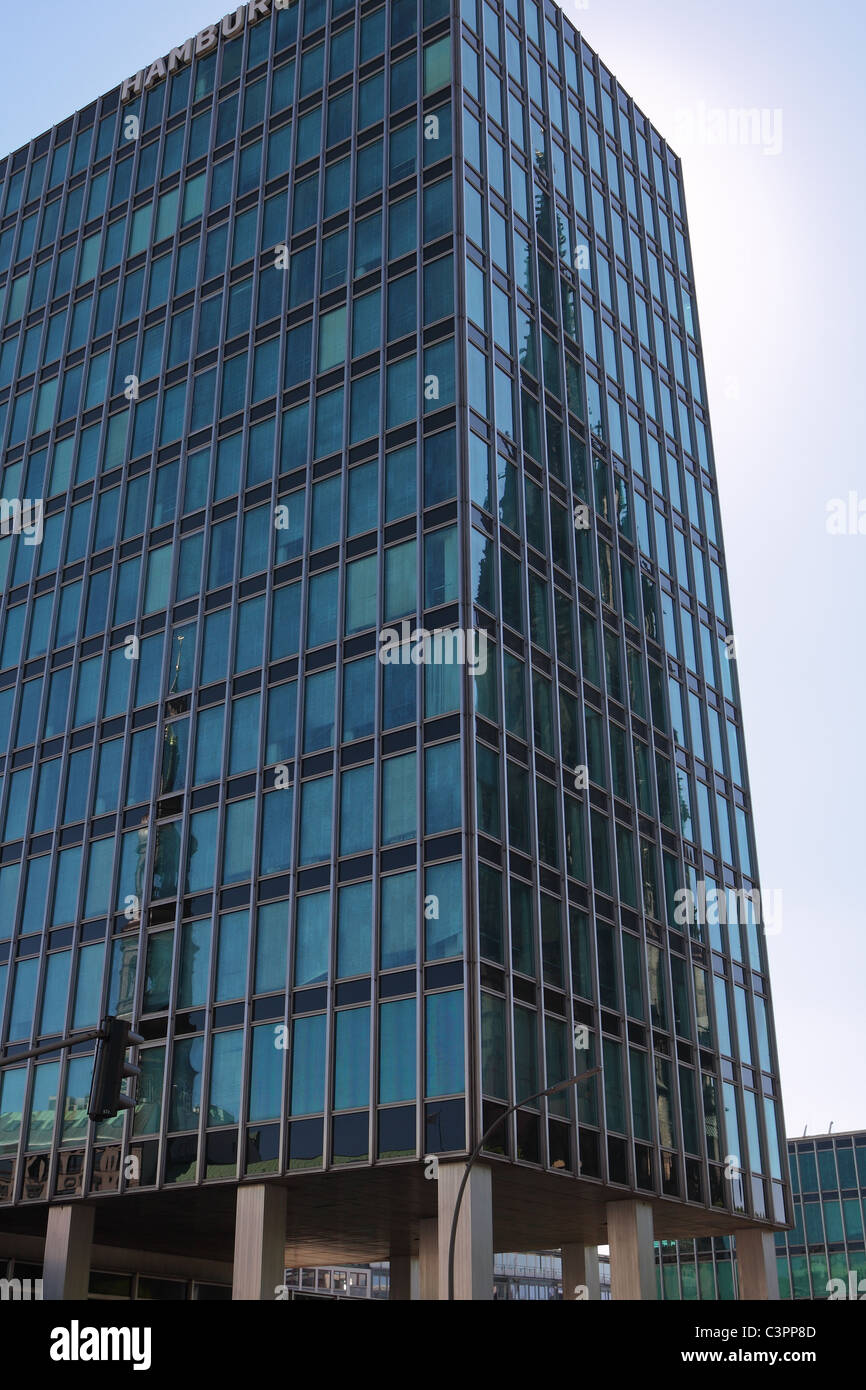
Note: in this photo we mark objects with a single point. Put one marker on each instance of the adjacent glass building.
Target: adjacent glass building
(823, 1257)
(343, 318)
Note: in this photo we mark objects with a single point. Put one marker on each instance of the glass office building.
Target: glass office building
(823, 1257)
(341, 323)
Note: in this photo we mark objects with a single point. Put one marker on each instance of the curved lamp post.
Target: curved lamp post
(550, 1091)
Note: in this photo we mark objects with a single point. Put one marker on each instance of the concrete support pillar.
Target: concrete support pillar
(260, 1241)
(580, 1276)
(757, 1271)
(68, 1242)
(632, 1258)
(404, 1279)
(428, 1259)
(473, 1250)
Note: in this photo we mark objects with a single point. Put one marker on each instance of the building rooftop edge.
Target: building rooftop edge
(830, 1134)
(102, 96)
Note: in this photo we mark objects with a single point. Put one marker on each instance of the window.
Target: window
(400, 580)
(444, 1069)
(316, 812)
(397, 1051)
(332, 339)
(354, 929)
(352, 1059)
(398, 917)
(442, 784)
(437, 65)
(312, 938)
(399, 813)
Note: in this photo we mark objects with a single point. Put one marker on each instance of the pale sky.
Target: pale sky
(777, 245)
(777, 242)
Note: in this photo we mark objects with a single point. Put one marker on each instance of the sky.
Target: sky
(777, 244)
(777, 231)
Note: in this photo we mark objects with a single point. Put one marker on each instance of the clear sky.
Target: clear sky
(777, 241)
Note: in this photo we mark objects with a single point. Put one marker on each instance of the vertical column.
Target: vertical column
(473, 1250)
(403, 1282)
(632, 1258)
(68, 1241)
(260, 1241)
(757, 1271)
(580, 1272)
(428, 1259)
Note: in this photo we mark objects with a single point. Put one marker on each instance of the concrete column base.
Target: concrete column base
(580, 1273)
(757, 1271)
(260, 1242)
(473, 1250)
(68, 1243)
(632, 1257)
(428, 1259)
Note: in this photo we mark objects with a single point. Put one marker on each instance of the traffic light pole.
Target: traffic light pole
(90, 1036)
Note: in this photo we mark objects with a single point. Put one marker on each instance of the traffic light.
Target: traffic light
(111, 1069)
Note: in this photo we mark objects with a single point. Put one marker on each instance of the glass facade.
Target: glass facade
(111, 1286)
(823, 1257)
(355, 319)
